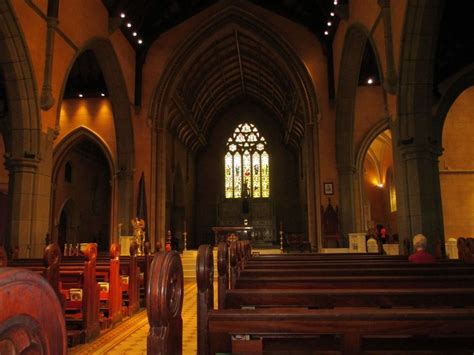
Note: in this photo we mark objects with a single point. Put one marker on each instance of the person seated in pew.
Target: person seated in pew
(420, 255)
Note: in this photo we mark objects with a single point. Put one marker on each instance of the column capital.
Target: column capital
(346, 169)
(26, 164)
(420, 151)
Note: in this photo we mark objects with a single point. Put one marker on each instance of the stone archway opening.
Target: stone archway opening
(82, 193)
(361, 104)
(456, 167)
(378, 189)
(234, 59)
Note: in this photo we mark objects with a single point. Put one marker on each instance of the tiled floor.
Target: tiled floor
(129, 337)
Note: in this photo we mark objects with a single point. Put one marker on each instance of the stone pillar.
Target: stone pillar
(346, 175)
(312, 188)
(23, 211)
(390, 83)
(124, 190)
(419, 194)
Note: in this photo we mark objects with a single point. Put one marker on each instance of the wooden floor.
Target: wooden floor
(129, 337)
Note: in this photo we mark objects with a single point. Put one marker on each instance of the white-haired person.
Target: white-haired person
(420, 255)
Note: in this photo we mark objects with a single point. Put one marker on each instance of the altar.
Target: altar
(222, 233)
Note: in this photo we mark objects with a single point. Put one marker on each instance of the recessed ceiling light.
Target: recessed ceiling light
(140, 41)
(335, 2)
(326, 33)
(80, 95)
(134, 34)
(122, 15)
(129, 24)
(329, 23)
(370, 81)
(102, 94)
(332, 14)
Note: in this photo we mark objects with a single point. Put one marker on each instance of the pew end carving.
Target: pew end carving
(223, 270)
(164, 304)
(26, 327)
(205, 298)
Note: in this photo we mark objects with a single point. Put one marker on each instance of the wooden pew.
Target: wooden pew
(347, 331)
(33, 324)
(358, 297)
(48, 267)
(279, 328)
(391, 281)
(108, 271)
(129, 269)
(82, 316)
(164, 304)
(360, 270)
(3, 257)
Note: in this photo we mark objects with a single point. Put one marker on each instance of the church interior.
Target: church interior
(231, 142)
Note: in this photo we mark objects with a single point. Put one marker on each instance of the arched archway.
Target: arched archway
(21, 131)
(83, 205)
(124, 155)
(231, 28)
(453, 119)
(356, 43)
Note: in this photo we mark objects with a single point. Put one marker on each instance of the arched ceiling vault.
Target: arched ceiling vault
(234, 66)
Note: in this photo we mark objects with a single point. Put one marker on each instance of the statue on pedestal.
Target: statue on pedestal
(139, 234)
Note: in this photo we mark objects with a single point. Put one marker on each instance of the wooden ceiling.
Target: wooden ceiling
(234, 67)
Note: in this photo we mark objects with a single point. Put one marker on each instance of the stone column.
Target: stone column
(346, 175)
(23, 212)
(124, 186)
(418, 191)
(390, 83)
(312, 187)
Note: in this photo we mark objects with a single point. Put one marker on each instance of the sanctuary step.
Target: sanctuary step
(188, 258)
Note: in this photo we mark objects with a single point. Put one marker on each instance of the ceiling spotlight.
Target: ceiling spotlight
(102, 94)
(370, 81)
(129, 24)
(134, 34)
(140, 41)
(329, 23)
(326, 33)
(122, 15)
(335, 2)
(332, 14)
(80, 95)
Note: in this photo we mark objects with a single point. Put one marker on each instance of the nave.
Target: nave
(269, 304)
(130, 336)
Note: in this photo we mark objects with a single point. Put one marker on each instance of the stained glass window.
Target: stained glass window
(247, 164)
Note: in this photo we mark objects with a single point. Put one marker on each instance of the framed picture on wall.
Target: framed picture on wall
(328, 188)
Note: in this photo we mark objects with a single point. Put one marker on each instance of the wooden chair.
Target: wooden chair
(330, 226)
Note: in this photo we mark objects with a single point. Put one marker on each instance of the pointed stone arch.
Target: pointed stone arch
(23, 139)
(236, 14)
(376, 130)
(124, 157)
(356, 39)
(60, 153)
